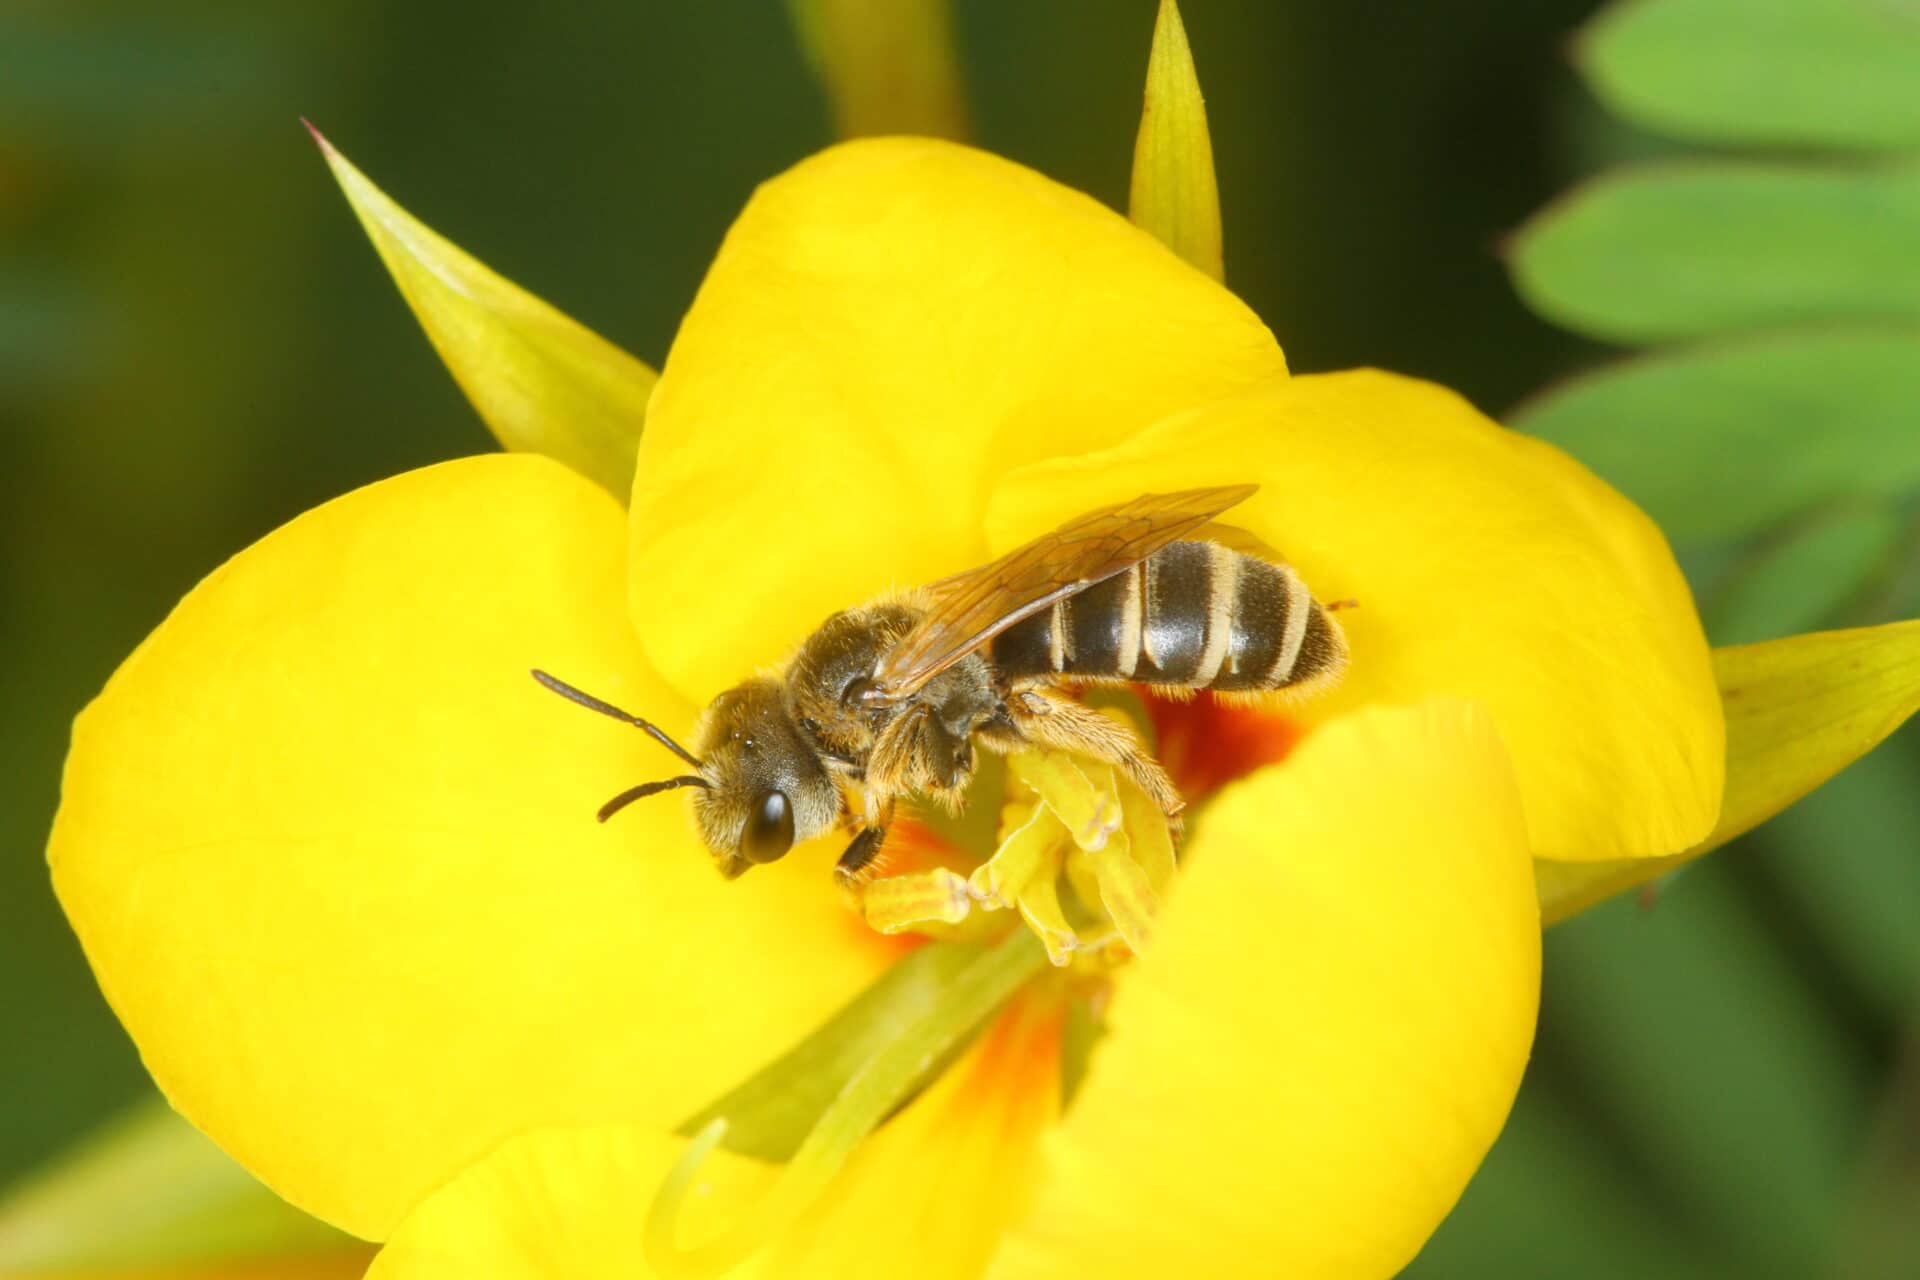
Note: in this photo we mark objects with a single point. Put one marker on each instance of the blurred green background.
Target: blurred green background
(196, 343)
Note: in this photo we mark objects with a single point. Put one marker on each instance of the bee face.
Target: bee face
(767, 788)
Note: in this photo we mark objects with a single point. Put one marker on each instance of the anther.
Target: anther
(1030, 850)
(1090, 814)
(898, 903)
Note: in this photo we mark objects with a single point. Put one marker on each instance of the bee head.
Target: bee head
(760, 785)
(765, 786)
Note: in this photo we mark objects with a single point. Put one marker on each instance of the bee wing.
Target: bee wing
(972, 608)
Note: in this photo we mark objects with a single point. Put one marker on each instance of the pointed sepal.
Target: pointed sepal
(1174, 194)
(541, 381)
(1799, 710)
(887, 68)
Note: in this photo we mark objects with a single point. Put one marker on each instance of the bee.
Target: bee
(892, 699)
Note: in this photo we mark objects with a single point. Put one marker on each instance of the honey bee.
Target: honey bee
(891, 699)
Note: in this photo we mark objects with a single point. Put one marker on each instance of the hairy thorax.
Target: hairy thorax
(922, 743)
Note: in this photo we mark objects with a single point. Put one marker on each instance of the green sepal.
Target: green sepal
(1174, 195)
(542, 382)
(1799, 710)
(888, 67)
(940, 995)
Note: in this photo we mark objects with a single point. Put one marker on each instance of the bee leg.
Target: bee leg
(1049, 720)
(855, 864)
(894, 765)
(939, 755)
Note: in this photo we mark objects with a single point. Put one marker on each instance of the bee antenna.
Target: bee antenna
(592, 703)
(646, 789)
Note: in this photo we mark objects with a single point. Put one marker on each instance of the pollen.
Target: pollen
(1082, 856)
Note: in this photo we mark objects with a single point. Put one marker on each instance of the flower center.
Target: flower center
(1080, 853)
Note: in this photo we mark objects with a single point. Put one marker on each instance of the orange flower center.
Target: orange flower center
(1205, 743)
(1080, 854)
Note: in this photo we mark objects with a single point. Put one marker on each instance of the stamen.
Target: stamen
(1063, 815)
(1022, 872)
(1124, 892)
(1109, 839)
(873, 1093)
(1040, 907)
(1085, 885)
(1091, 814)
(1030, 850)
(1152, 840)
(898, 903)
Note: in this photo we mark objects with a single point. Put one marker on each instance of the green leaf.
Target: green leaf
(1897, 593)
(149, 1189)
(1679, 251)
(772, 1112)
(542, 382)
(1880, 1236)
(888, 66)
(1821, 73)
(1548, 1203)
(1712, 1060)
(1174, 194)
(1799, 711)
(1800, 579)
(1725, 441)
(68, 80)
(1864, 900)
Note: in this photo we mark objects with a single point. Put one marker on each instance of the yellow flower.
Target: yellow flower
(331, 853)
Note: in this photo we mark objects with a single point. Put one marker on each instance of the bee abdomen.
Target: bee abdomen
(1194, 615)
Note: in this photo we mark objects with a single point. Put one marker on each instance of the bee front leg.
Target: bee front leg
(854, 866)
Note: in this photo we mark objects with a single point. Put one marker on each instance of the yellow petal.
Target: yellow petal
(542, 382)
(889, 327)
(888, 66)
(931, 1193)
(1306, 1068)
(1799, 711)
(1486, 566)
(332, 852)
(927, 1196)
(1174, 194)
(559, 1204)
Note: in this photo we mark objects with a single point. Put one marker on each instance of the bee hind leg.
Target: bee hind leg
(1050, 720)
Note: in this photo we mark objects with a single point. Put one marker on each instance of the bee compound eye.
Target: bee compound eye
(769, 832)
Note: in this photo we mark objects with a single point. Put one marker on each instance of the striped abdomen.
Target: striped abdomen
(1195, 615)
